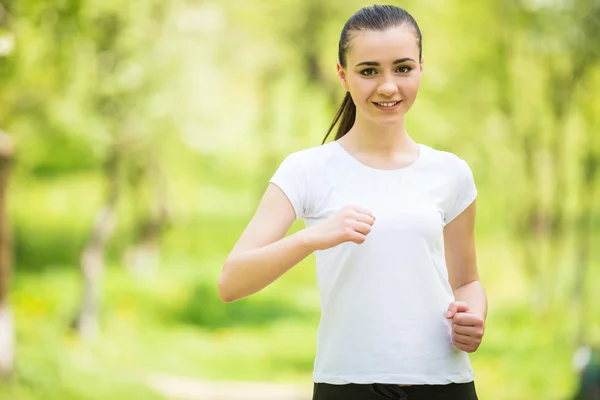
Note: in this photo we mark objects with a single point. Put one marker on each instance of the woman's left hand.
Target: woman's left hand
(467, 327)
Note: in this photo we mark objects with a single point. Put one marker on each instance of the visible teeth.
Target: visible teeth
(388, 104)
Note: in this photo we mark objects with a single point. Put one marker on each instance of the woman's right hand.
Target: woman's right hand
(349, 224)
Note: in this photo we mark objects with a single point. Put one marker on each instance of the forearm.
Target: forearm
(252, 270)
(473, 294)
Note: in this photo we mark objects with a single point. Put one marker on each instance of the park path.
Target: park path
(182, 388)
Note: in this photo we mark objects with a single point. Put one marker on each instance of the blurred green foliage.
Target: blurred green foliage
(208, 97)
(202, 310)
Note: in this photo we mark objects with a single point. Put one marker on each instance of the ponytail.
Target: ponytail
(347, 112)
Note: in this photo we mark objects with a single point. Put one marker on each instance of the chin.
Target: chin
(389, 122)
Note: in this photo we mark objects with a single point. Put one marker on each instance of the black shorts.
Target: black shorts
(382, 391)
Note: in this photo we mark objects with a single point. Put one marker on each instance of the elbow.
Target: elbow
(231, 285)
(224, 285)
(224, 292)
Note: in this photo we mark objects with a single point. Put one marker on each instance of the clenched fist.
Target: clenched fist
(467, 327)
(349, 224)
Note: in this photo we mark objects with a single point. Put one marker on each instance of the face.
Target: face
(382, 73)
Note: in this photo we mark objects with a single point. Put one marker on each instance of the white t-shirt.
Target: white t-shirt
(383, 302)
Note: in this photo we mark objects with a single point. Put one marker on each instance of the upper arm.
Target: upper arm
(459, 247)
(271, 221)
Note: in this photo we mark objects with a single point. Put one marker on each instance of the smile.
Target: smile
(387, 105)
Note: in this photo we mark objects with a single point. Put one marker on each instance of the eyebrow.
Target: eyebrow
(376, 64)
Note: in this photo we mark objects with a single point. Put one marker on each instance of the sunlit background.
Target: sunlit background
(138, 137)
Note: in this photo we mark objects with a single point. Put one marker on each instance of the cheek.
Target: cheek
(411, 87)
(359, 88)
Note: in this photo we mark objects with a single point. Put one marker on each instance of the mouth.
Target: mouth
(387, 105)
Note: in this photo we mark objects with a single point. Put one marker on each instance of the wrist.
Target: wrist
(308, 240)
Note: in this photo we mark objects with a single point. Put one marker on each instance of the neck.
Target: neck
(369, 137)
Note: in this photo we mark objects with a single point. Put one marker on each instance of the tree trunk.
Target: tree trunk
(7, 342)
(585, 233)
(86, 323)
(142, 257)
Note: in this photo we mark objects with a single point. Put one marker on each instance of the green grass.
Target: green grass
(146, 330)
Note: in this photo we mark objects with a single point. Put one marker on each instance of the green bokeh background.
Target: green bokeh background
(202, 100)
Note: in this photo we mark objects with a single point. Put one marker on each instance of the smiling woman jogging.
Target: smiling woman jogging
(391, 223)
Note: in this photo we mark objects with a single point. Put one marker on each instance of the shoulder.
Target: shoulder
(312, 157)
(446, 161)
(442, 157)
(315, 151)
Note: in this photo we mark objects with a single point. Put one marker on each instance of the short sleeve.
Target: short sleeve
(291, 178)
(463, 192)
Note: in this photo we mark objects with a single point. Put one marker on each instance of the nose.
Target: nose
(387, 88)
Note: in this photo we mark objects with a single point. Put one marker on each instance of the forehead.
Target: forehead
(383, 46)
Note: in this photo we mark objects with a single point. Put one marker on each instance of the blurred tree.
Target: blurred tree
(82, 94)
(308, 37)
(86, 321)
(125, 87)
(556, 45)
(147, 181)
(7, 334)
(6, 319)
(588, 42)
(580, 47)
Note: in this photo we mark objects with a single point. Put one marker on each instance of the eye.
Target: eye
(404, 69)
(368, 72)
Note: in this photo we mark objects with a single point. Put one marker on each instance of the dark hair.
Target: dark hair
(374, 18)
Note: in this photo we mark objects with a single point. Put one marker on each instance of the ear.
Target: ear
(342, 76)
(421, 65)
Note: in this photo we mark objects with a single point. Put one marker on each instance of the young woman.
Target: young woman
(391, 223)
